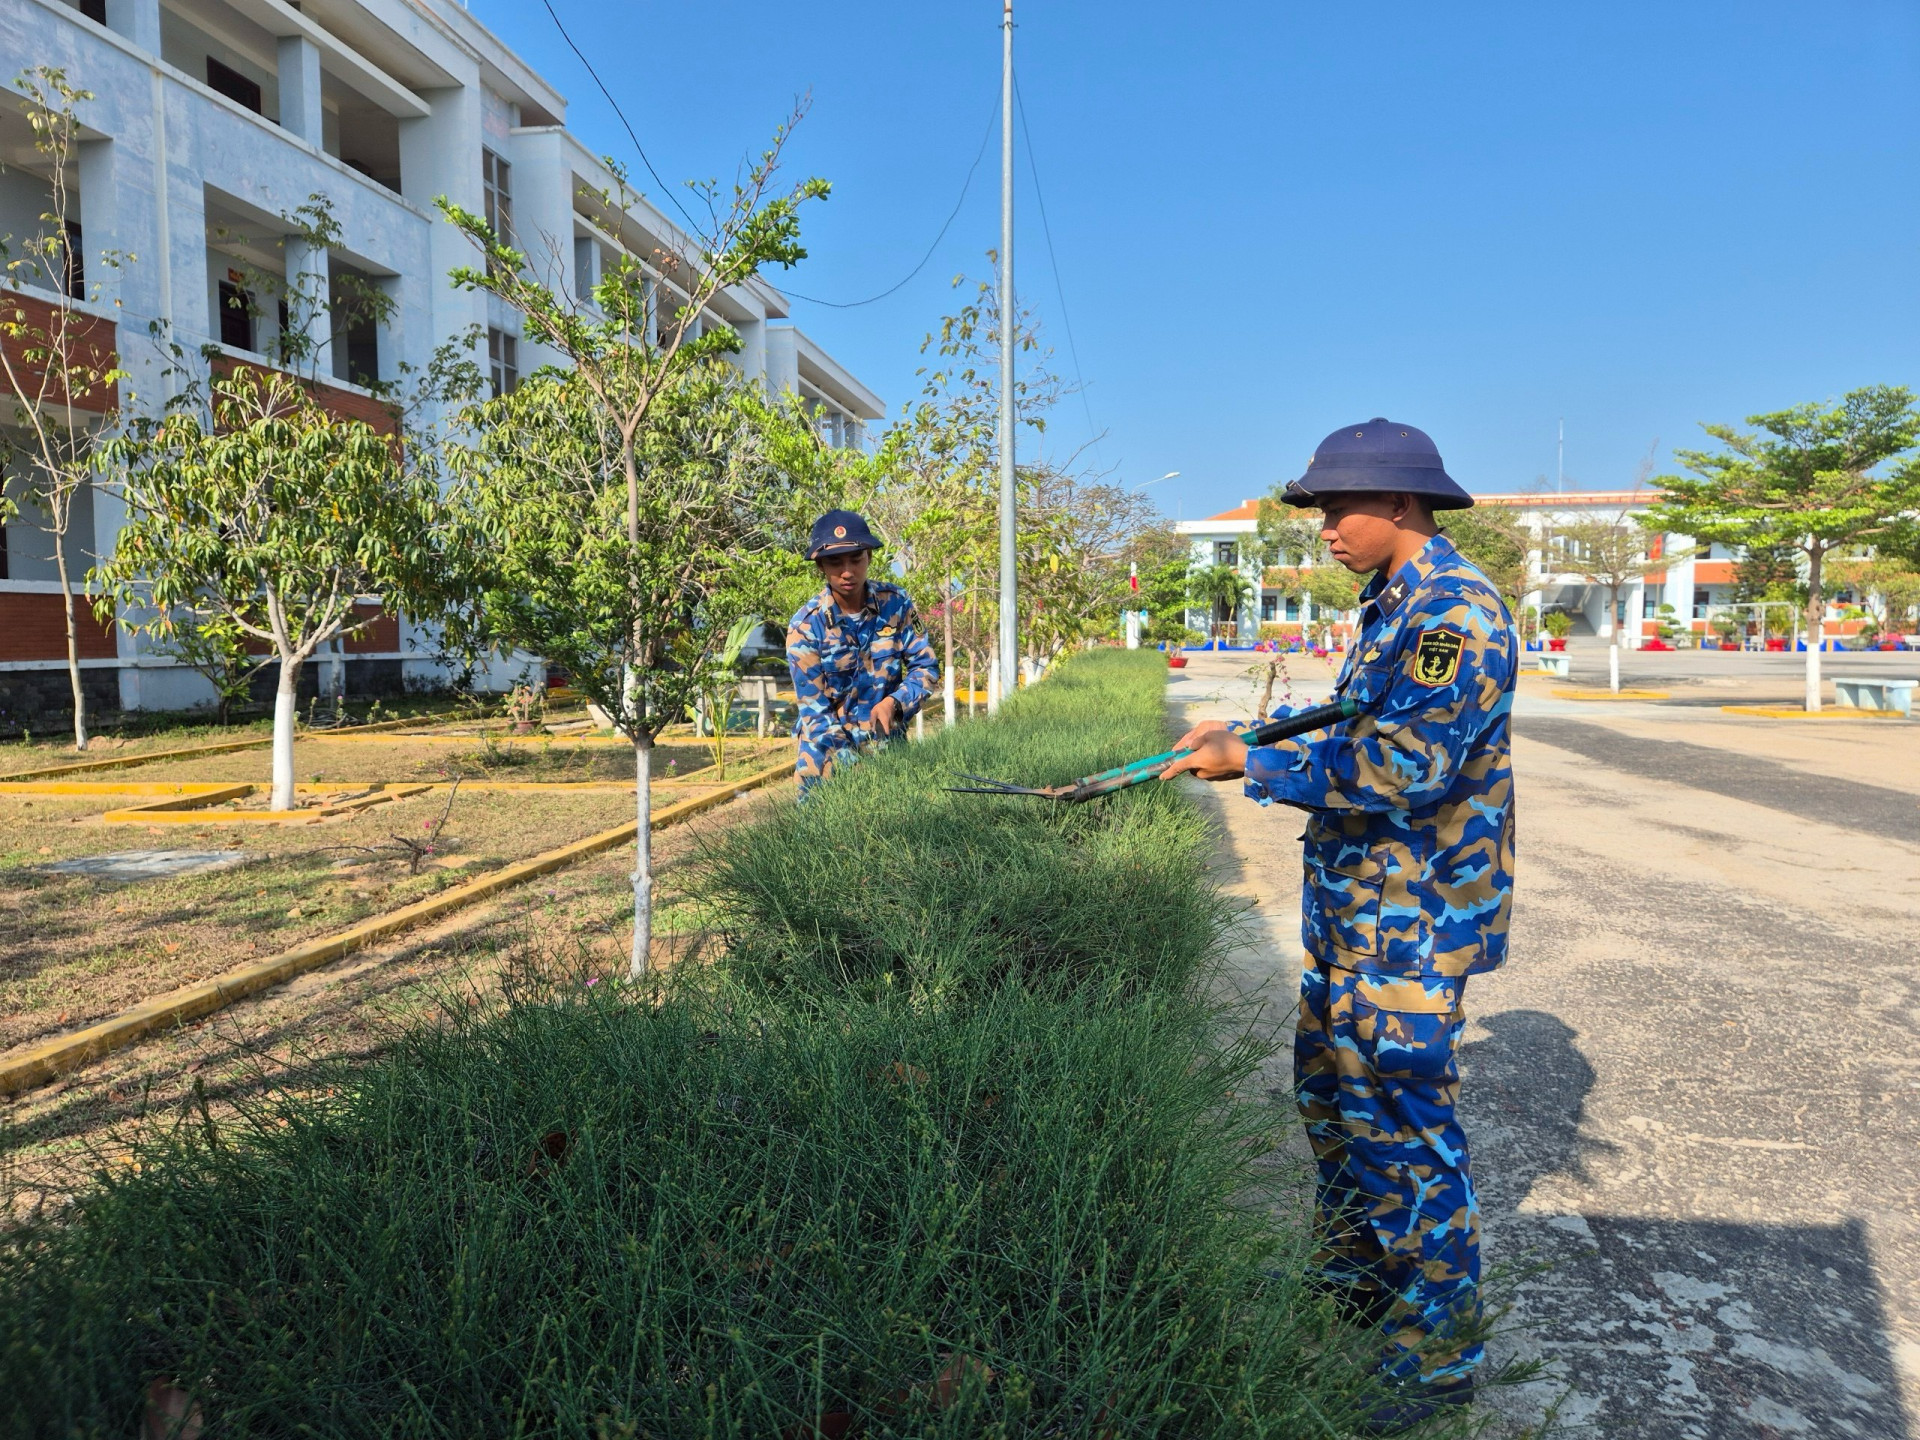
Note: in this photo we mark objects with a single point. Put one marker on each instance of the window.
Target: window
(1702, 598)
(1225, 552)
(497, 176)
(232, 84)
(1269, 607)
(503, 360)
(76, 262)
(236, 315)
(1293, 607)
(1650, 599)
(94, 10)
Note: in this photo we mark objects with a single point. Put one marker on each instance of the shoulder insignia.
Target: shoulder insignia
(1436, 659)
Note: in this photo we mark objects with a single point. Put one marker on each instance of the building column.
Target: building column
(99, 216)
(138, 20)
(300, 112)
(308, 289)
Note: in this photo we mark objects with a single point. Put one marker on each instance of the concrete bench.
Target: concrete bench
(1561, 665)
(1894, 695)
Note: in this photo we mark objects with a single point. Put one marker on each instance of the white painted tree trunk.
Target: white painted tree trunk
(1613, 665)
(73, 646)
(285, 709)
(1816, 636)
(642, 858)
(993, 680)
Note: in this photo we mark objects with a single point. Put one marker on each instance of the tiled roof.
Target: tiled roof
(1245, 510)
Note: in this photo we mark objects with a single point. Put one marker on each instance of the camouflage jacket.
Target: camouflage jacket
(1409, 845)
(843, 665)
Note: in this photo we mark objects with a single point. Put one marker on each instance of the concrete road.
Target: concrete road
(1694, 1091)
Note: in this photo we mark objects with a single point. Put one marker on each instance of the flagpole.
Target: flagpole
(1009, 597)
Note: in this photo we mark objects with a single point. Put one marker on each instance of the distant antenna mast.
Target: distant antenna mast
(1560, 464)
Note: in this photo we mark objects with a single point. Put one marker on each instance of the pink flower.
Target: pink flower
(592, 980)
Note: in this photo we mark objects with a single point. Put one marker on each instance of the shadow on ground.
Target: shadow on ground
(1666, 1329)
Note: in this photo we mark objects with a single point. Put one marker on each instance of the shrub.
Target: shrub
(884, 882)
(584, 1216)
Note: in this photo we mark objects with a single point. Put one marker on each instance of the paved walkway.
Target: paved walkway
(1694, 1092)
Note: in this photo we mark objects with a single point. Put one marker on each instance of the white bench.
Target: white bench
(1561, 665)
(1893, 695)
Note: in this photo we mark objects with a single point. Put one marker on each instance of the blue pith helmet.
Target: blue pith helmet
(1380, 456)
(838, 532)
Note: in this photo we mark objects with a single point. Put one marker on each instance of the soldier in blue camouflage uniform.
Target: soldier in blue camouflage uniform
(861, 661)
(1409, 885)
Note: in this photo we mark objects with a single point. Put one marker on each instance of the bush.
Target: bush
(588, 1217)
(982, 1200)
(885, 883)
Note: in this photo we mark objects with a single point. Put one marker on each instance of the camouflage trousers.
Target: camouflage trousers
(1399, 1225)
(816, 760)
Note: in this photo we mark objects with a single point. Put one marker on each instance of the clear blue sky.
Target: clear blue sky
(1274, 219)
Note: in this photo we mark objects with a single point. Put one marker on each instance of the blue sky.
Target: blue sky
(1271, 220)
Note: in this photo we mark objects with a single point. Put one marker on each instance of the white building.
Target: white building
(213, 121)
(1695, 585)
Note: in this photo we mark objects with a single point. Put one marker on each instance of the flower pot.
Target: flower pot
(1176, 662)
(1557, 643)
(1776, 646)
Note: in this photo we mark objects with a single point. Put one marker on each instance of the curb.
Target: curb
(1836, 712)
(38, 1063)
(1621, 694)
(219, 747)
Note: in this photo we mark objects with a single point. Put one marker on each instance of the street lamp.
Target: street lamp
(1171, 474)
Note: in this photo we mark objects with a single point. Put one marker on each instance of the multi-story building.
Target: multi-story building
(1698, 584)
(211, 123)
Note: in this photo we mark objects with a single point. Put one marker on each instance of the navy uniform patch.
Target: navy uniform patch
(1436, 659)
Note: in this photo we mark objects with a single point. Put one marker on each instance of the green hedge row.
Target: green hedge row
(948, 1146)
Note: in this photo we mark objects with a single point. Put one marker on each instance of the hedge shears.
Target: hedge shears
(1151, 768)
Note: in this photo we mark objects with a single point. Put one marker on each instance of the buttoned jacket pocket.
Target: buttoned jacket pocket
(1342, 903)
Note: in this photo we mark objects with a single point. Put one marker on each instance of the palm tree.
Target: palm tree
(1222, 589)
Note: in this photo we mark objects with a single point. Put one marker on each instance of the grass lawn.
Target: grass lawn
(576, 920)
(74, 948)
(146, 733)
(476, 757)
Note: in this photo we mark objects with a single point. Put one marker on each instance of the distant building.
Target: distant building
(1696, 586)
(213, 120)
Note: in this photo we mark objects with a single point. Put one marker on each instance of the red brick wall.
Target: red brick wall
(380, 638)
(344, 404)
(93, 344)
(34, 627)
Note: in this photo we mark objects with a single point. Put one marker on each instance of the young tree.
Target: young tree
(270, 518)
(1810, 478)
(61, 373)
(1221, 589)
(937, 490)
(200, 640)
(1493, 538)
(1612, 553)
(612, 529)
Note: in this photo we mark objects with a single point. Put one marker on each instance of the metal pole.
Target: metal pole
(1560, 464)
(1009, 600)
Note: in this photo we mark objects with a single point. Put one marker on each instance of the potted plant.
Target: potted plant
(1558, 625)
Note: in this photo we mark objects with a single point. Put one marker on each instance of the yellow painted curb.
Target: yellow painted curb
(38, 1063)
(1835, 712)
(219, 747)
(112, 787)
(1610, 694)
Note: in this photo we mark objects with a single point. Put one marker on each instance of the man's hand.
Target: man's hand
(1218, 753)
(884, 716)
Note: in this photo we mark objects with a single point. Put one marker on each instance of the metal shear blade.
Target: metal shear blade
(986, 785)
